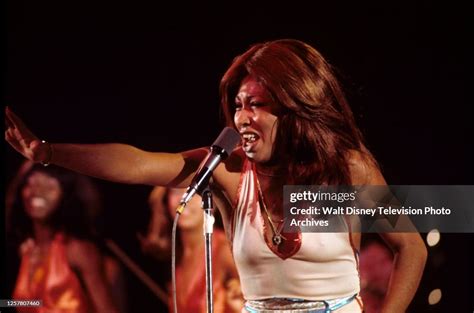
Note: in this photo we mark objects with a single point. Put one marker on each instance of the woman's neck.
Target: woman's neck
(43, 233)
(270, 170)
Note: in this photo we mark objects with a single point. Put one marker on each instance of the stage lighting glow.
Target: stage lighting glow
(435, 296)
(433, 237)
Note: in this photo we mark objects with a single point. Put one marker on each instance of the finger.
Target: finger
(22, 132)
(8, 120)
(24, 142)
(13, 142)
(17, 122)
(7, 135)
(8, 117)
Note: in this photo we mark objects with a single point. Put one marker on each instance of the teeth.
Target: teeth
(249, 137)
(38, 202)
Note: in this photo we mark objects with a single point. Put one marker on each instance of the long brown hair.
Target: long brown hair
(316, 128)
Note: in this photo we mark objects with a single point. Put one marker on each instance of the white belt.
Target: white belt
(289, 305)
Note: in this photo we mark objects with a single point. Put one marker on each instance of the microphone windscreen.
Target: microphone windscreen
(227, 140)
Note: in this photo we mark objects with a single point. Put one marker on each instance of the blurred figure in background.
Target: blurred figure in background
(190, 266)
(50, 212)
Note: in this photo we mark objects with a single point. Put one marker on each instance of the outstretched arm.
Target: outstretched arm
(114, 162)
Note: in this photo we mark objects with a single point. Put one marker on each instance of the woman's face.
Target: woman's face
(255, 119)
(192, 215)
(41, 195)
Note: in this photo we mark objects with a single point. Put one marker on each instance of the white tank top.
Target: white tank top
(325, 267)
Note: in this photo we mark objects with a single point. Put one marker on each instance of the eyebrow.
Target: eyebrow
(247, 97)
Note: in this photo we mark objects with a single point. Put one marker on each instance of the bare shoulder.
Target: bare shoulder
(82, 254)
(235, 161)
(364, 170)
(227, 174)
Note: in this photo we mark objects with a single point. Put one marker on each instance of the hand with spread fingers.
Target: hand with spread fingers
(23, 140)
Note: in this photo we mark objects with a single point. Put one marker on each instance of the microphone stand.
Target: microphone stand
(208, 225)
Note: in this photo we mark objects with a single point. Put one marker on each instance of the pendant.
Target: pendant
(276, 239)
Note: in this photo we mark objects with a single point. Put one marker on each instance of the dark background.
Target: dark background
(147, 74)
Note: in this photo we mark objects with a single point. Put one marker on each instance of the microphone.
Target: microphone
(220, 150)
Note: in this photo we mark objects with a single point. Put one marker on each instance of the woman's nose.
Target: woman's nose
(242, 118)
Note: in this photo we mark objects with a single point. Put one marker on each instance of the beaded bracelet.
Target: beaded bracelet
(50, 154)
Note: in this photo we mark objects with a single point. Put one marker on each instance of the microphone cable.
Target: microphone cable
(173, 261)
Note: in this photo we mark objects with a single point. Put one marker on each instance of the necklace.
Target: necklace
(277, 236)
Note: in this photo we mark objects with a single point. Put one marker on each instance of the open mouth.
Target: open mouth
(248, 140)
(38, 202)
(249, 137)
